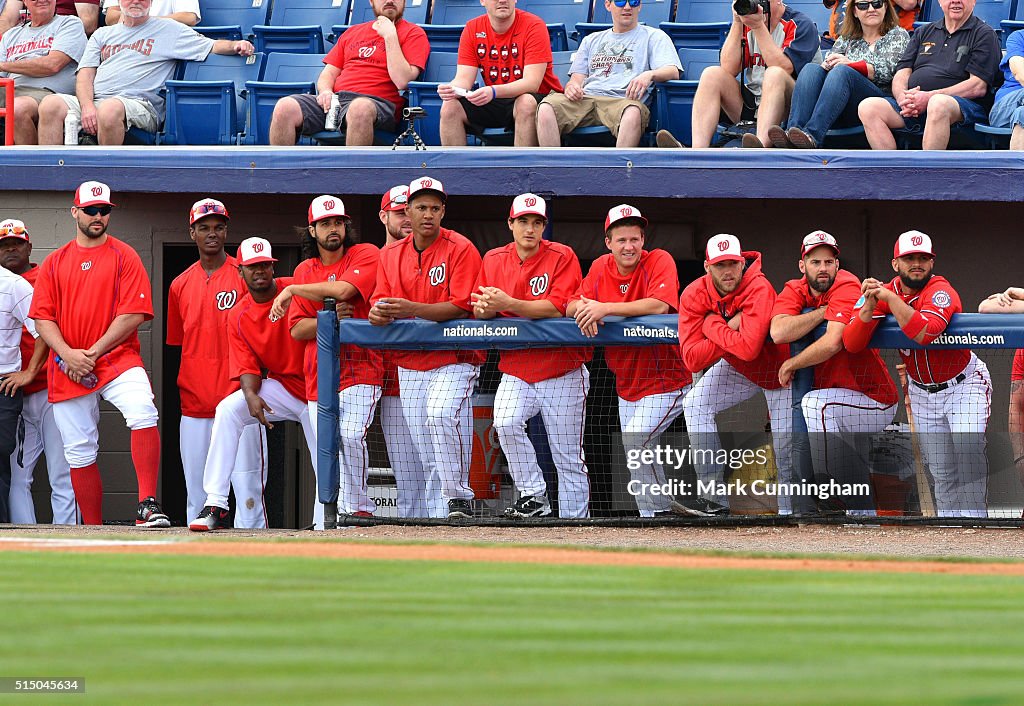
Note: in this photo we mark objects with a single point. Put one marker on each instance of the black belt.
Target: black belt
(939, 387)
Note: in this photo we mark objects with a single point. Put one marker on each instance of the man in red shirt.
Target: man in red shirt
(430, 275)
(258, 343)
(342, 268)
(198, 305)
(854, 396)
(723, 322)
(366, 70)
(534, 278)
(651, 381)
(96, 352)
(512, 49)
(950, 390)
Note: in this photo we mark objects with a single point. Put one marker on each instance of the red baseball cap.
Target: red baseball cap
(427, 184)
(913, 241)
(526, 204)
(255, 250)
(325, 207)
(207, 207)
(395, 199)
(816, 239)
(93, 193)
(723, 247)
(621, 213)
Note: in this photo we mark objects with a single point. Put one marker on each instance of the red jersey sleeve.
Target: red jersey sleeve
(857, 334)
(697, 351)
(790, 301)
(747, 342)
(415, 45)
(134, 294)
(663, 279)
(362, 270)
(587, 287)
(465, 270)
(242, 359)
(336, 56)
(841, 299)
(175, 326)
(566, 280)
(301, 308)
(44, 305)
(1017, 373)
(388, 257)
(938, 303)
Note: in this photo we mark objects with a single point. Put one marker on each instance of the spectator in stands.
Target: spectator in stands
(943, 79)
(612, 79)
(769, 53)
(512, 50)
(88, 12)
(183, 11)
(906, 12)
(861, 64)
(42, 57)
(1008, 109)
(366, 69)
(122, 72)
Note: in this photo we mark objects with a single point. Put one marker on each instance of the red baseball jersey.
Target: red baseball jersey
(198, 305)
(639, 370)
(83, 290)
(389, 379)
(358, 267)
(257, 344)
(864, 372)
(1017, 373)
(552, 274)
(445, 272)
(28, 343)
(503, 57)
(935, 304)
(705, 336)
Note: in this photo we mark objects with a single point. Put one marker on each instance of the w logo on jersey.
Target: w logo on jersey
(86, 266)
(624, 288)
(539, 285)
(226, 300)
(438, 274)
(331, 278)
(367, 52)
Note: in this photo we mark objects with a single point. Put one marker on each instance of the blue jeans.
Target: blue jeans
(823, 98)
(1008, 111)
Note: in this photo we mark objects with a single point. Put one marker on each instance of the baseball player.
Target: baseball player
(98, 347)
(950, 390)
(651, 381)
(419, 495)
(534, 278)
(198, 305)
(430, 275)
(257, 342)
(854, 395)
(40, 431)
(723, 323)
(345, 270)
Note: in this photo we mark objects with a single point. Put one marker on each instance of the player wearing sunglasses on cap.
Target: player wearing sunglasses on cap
(860, 65)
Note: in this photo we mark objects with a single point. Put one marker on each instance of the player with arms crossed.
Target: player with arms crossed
(950, 390)
(91, 296)
(534, 278)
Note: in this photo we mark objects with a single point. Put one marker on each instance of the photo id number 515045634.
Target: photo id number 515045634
(17, 685)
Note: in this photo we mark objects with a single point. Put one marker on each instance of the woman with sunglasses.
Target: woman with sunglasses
(860, 65)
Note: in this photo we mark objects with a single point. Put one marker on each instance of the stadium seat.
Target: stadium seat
(585, 28)
(995, 138)
(696, 35)
(440, 68)
(560, 15)
(284, 75)
(336, 32)
(443, 37)
(695, 60)
(1014, 21)
(994, 12)
(232, 19)
(207, 107)
(415, 11)
(499, 136)
(300, 26)
(675, 98)
(815, 10)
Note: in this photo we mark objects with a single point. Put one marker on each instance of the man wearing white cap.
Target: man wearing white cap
(950, 390)
(257, 342)
(724, 318)
(198, 305)
(341, 268)
(534, 278)
(854, 395)
(651, 381)
(430, 275)
(96, 352)
(41, 432)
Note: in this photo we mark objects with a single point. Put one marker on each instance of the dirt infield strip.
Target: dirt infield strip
(502, 554)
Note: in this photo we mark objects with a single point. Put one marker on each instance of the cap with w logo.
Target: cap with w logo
(253, 251)
(325, 207)
(723, 247)
(424, 185)
(622, 212)
(528, 204)
(93, 193)
(913, 241)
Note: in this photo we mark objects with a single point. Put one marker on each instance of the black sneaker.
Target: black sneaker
(211, 518)
(528, 506)
(150, 515)
(460, 510)
(699, 507)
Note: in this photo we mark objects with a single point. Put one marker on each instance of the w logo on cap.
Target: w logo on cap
(426, 183)
(530, 201)
(916, 240)
(257, 247)
(97, 191)
(723, 245)
(329, 204)
(626, 211)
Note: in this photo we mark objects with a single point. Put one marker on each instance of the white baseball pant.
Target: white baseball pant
(951, 428)
(356, 407)
(231, 418)
(840, 423)
(419, 495)
(78, 419)
(41, 434)
(562, 403)
(438, 408)
(643, 423)
(720, 388)
(248, 477)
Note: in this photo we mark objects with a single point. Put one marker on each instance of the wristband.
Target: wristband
(494, 93)
(860, 67)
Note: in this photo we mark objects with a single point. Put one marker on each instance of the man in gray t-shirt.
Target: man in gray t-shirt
(612, 78)
(121, 74)
(41, 57)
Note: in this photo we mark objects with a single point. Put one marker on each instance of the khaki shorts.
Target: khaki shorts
(138, 113)
(593, 110)
(34, 92)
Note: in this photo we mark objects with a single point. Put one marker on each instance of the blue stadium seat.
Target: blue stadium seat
(585, 28)
(560, 14)
(696, 59)
(996, 138)
(415, 11)
(696, 35)
(299, 26)
(994, 12)
(498, 136)
(444, 38)
(284, 75)
(336, 32)
(440, 68)
(207, 107)
(675, 98)
(1014, 21)
(454, 12)
(815, 10)
(232, 19)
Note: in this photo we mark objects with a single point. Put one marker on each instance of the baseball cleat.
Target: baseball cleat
(460, 510)
(528, 506)
(699, 507)
(150, 515)
(211, 518)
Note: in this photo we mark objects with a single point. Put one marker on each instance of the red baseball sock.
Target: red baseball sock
(89, 493)
(146, 457)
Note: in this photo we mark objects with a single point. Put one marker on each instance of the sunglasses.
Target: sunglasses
(877, 4)
(12, 230)
(96, 210)
(400, 200)
(212, 208)
(623, 3)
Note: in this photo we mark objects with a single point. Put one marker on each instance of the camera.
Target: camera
(413, 113)
(749, 7)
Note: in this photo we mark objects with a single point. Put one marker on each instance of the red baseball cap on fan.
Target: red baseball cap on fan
(93, 193)
(911, 242)
(395, 199)
(253, 251)
(816, 239)
(325, 207)
(528, 204)
(723, 247)
(621, 213)
(427, 184)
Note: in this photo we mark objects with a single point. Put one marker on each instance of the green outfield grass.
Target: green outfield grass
(204, 630)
